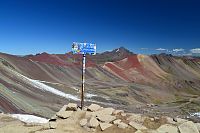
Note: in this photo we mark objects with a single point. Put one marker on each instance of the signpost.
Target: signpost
(83, 48)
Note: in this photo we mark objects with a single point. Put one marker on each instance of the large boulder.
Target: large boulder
(64, 114)
(137, 126)
(93, 123)
(188, 127)
(167, 128)
(72, 107)
(106, 118)
(93, 107)
(104, 126)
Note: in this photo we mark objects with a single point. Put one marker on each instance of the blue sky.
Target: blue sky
(143, 26)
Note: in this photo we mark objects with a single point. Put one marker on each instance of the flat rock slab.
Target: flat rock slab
(136, 118)
(93, 107)
(105, 111)
(188, 127)
(178, 121)
(137, 126)
(93, 123)
(104, 126)
(122, 125)
(167, 128)
(106, 118)
(90, 114)
(72, 107)
(63, 108)
(116, 122)
(64, 114)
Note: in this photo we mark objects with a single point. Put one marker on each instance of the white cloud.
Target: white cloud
(161, 49)
(144, 48)
(178, 50)
(195, 51)
(187, 54)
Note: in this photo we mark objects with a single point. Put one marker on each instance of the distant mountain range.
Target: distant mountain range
(40, 84)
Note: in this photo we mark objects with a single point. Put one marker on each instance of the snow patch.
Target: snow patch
(51, 89)
(45, 87)
(29, 118)
(196, 114)
(48, 82)
(88, 95)
(117, 50)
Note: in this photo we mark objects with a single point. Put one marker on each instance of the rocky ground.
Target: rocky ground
(94, 118)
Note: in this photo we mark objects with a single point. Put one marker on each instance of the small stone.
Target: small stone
(116, 122)
(83, 122)
(106, 118)
(123, 114)
(151, 131)
(188, 127)
(93, 107)
(72, 107)
(90, 129)
(150, 105)
(175, 119)
(104, 126)
(64, 114)
(93, 123)
(52, 125)
(167, 128)
(156, 118)
(152, 119)
(137, 126)
(85, 108)
(117, 112)
(53, 118)
(122, 125)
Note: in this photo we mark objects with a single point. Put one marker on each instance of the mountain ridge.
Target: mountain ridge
(127, 80)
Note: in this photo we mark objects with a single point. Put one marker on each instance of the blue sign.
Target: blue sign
(84, 48)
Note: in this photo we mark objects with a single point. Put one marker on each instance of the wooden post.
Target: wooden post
(83, 81)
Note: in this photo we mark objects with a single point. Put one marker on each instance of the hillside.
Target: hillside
(41, 84)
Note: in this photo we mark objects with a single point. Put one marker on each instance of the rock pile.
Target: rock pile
(95, 118)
